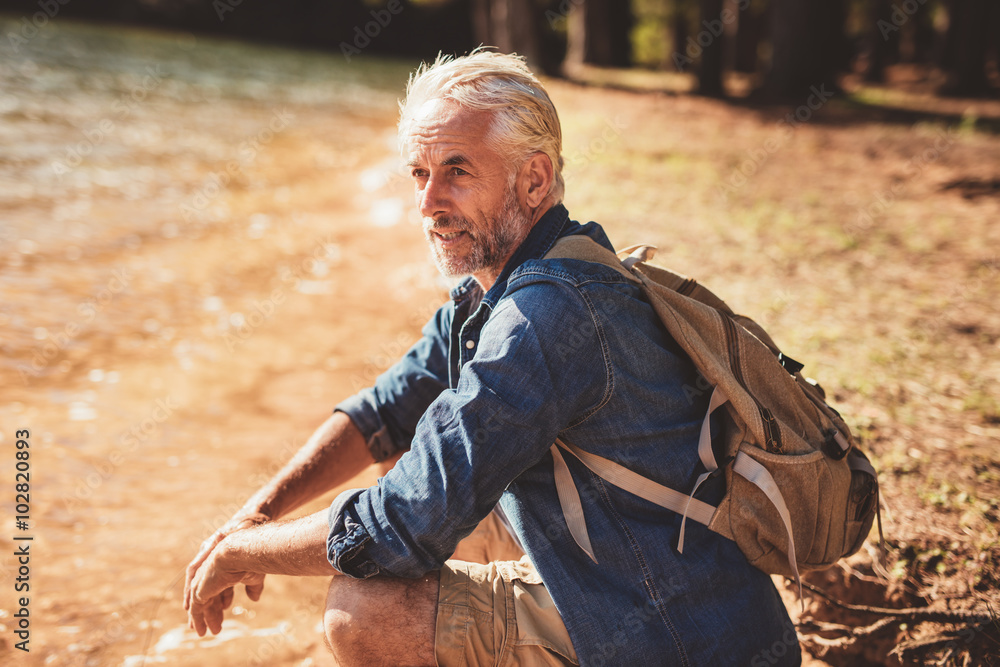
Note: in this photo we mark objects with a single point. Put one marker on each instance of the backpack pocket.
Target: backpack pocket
(862, 503)
(813, 487)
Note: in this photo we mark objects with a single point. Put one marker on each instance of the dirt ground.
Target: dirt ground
(205, 245)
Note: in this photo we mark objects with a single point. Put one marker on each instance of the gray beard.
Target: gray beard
(490, 248)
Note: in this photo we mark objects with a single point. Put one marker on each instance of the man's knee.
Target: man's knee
(344, 615)
(381, 615)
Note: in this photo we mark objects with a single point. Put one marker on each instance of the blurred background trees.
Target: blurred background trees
(776, 48)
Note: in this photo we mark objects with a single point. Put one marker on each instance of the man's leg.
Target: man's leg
(382, 620)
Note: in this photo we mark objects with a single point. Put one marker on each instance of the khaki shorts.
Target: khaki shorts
(498, 614)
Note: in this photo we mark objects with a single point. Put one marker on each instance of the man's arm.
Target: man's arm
(523, 386)
(335, 453)
(340, 448)
(296, 547)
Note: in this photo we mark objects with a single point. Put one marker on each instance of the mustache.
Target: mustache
(452, 223)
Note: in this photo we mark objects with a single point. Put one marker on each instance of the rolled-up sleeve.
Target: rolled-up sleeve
(387, 412)
(519, 391)
(347, 539)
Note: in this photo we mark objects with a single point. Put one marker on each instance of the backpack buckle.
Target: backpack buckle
(722, 466)
(790, 364)
(835, 445)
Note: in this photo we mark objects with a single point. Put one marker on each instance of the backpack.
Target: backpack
(799, 494)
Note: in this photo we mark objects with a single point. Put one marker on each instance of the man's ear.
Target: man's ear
(535, 180)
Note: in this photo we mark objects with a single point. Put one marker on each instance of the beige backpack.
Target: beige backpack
(799, 494)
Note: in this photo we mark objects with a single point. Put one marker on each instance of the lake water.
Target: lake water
(115, 138)
(86, 109)
(183, 224)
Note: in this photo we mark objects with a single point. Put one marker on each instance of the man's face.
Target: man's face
(465, 191)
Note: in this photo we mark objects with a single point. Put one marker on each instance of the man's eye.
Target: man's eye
(458, 171)
(419, 173)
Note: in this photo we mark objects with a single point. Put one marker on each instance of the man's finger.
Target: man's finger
(226, 598)
(187, 592)
(192, 568)
(192, 571)
(213, 615)
(255, 588)
(197, 619)
(188, 577)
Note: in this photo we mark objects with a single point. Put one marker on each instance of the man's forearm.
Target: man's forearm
(296, 547)
(335, 453)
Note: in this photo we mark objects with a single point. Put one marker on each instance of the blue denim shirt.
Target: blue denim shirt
(571, 349)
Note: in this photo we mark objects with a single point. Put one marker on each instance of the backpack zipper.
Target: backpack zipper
(772, 431)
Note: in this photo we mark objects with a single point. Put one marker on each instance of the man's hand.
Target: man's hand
(296, 547)
(335, 453)
(254, 589)
(211, 591)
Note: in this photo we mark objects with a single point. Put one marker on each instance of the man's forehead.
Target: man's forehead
(445, 122)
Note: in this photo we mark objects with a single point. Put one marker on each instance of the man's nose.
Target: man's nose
(433, 200)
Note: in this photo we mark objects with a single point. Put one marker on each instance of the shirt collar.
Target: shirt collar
(549, 228)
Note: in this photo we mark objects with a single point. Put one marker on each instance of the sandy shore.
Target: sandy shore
(181, 308)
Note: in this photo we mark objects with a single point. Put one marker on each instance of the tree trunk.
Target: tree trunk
(883, 40)
(833, 20)
(749, 29)
(968, 30)
(509, 25)
(481, 27)
(806, 39)
(923, 35)
(679, 35)
(599, 33)
(712, 32)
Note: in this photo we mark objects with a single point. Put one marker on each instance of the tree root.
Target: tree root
(973, 624)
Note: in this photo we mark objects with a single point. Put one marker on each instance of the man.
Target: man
(527, 349)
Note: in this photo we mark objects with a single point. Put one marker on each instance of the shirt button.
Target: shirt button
(469, 344)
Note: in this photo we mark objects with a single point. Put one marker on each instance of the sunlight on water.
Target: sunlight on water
(115, 141)
(182, 638)
(184, 227)
(87, 109)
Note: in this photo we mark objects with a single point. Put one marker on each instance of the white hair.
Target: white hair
(525, 121)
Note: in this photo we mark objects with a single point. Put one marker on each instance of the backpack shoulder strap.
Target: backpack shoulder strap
(586, 249)
(583, 248)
